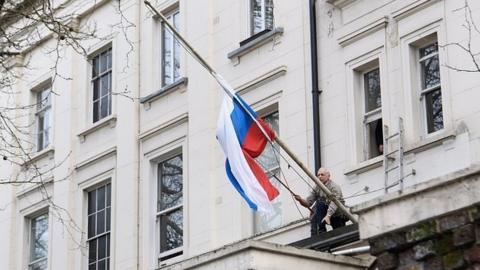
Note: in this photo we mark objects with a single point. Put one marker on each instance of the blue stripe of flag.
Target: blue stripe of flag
(237, 186)
(241, 120)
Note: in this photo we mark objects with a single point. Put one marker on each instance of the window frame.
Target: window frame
(423, 92)
(108, 72)
(178, 251)
(108, 233)
(30, 239)
(41, 110)
(170, 16)
(263, 8)
(372, 116)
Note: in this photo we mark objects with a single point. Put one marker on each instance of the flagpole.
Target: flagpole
(220, 80)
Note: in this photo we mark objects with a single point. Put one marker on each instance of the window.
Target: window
(38, 243)
(170, 206)
(269, 161)
(99, 228)
(102, 84)
(170, 51)
(43, 116)
(261, 15)
(431, 92)
(372, 118)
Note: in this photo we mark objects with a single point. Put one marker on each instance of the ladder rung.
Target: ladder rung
(391, 136)
(391, 169)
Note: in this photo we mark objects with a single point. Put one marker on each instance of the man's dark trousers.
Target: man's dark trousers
(317, 226)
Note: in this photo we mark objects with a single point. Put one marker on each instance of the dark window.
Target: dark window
(102, 85)
(261, 15)
(431, 91)
(38, 243)
(170, 203)
(99, 205)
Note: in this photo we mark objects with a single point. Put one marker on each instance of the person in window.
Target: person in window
(379, 136)
(323, 211)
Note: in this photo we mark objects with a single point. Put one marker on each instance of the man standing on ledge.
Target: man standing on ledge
(324, 210)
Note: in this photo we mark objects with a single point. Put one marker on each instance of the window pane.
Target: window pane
(92, 202)
(102, 247)
(91, 225)
(105, 89)
(171, 230)
(101, 222)
(40, 145)
(268, 14)
(375, 138)
(95, 67)
(39, 235)
(104, 107)
(92, 266)
(101, 265)
(100, 198)
(108, 219)
(257, 16)
(433, 103)
(96, 116)
(92, 251)
(170, 183)
(109, 191)
(373, 98)
(96, 89)
(432, 48)
(103, 62)
(430, 72)
(109, 59)
(167, 57)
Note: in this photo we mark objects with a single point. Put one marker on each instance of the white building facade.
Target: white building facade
(138, 178)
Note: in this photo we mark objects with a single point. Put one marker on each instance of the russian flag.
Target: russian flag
(242, 141)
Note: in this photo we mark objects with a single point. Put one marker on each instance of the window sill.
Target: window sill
(365, 166)
(181, 82)
(255, 43)
(340, 3)
(110, 120)
(47, 152)
(417, 147)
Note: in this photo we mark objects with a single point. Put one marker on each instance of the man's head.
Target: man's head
(323, 174)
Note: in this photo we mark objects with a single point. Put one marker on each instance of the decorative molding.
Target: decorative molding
(361, 32)
(412, 7)
(105, 153)
(261, 80)
(24, 192)
(180, 119)
(107, 121)
(47, 152)
(340, 3)
(182, 82)
(255, 43)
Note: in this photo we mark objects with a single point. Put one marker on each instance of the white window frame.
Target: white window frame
(30, 239)
(173, 12)
(370, 116)
(424, 92)
(43, 110)
(90, 189)
(263, 26)
(178, 251)
(107, 72)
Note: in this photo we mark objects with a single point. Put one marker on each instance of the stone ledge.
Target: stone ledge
(110, 120)
(164, 90)
(255, 43)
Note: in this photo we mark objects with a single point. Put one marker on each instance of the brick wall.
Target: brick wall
(447, 242)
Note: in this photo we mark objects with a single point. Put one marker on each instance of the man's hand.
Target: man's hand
(326, 219)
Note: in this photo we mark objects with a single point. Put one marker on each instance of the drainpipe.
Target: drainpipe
(315, 91)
